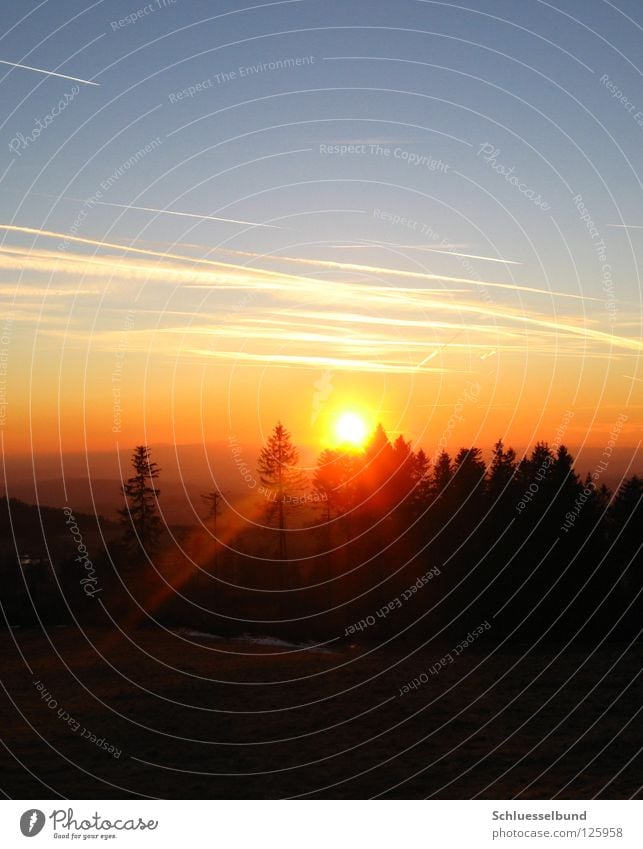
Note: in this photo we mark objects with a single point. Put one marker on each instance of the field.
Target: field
(196, 716)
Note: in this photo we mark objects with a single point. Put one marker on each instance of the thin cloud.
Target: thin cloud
(160, 255)
(24, 290)
(116, 268)
(47, 73)
(428, 249)
(415, 275)
(383, 323)
(316, 263)
(310, 361)
(162, 211)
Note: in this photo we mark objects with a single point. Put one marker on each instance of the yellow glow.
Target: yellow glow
(351, 429)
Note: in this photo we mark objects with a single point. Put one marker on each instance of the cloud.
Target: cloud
(414, 275)
(295, 320)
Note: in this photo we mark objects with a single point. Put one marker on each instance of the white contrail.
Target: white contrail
(162, 211)
(48, 73)
(415, 275)
(627, 226)
(430, 249)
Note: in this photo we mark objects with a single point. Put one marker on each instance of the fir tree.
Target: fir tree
(142, 525)
(279, 473)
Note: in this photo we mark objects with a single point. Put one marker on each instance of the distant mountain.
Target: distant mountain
(29, 524)
(102, 497)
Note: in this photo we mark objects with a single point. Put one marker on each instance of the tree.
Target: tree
(469, 473)
(403, 479)
(279, 473)
(537, 469)
(502, 471)
(442, 474)
(375, 477)
(566, 484)
(142, 525)
(213, 500)
(332, 482)
(421, 475)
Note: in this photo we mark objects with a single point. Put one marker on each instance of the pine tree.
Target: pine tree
(333, 481)
(142, 525)
(376, 474)
(403, 480)
(502, 471)
(564, 479)
(469, 465)
(213, 500)
(442, 474)
(467, 484)
(421, 475)
(278, 472)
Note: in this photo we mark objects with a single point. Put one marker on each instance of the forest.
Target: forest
(377, 544)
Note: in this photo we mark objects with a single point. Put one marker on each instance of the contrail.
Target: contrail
(52, 234)
(430, 249)
(557, 327)
(162, 211)
(47, 73)
(310, 361)
(415, 275)
(627, 226)
(383, 298)
(434, 354)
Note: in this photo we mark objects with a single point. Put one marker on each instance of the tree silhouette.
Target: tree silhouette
(375, 479)
(421, 477)
(442, 474)
(279, 473)
(469, 474)
(502, 470)
(213, 501)
(142, 525)
(332, 481)
(403, 480)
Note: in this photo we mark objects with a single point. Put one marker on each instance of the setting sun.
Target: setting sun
(351, 429)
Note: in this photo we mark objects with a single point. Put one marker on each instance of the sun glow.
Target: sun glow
(351, 429)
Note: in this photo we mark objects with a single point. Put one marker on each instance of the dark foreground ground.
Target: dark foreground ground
(195, 717)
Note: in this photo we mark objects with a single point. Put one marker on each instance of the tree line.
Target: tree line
(521, 543)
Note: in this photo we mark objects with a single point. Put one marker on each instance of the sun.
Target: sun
(351, 429)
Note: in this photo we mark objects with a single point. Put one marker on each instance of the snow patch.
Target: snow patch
(275, 642)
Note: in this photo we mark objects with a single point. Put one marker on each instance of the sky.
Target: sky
(217, 215)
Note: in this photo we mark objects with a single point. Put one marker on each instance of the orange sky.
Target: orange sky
(196, 350)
